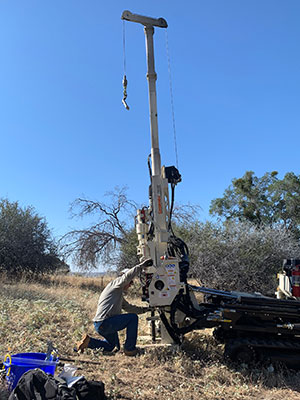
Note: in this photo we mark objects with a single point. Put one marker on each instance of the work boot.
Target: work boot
(83, 344)
(131, 353)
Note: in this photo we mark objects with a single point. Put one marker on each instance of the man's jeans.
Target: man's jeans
(109, 330)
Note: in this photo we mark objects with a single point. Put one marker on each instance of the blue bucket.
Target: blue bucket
(16, 364)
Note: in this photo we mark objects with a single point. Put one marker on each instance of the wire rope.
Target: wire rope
(172, 98)
(124, 48)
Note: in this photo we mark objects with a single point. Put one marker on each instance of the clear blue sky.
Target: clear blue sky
(64, 132)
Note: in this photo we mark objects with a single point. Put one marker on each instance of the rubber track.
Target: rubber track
(269, 344)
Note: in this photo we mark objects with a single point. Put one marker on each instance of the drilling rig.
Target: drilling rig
(251, 325)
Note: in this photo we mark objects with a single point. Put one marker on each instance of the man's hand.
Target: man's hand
(146, 263)
(147, 309)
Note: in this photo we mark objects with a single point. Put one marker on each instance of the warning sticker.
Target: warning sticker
(171, 280)
(170, 268)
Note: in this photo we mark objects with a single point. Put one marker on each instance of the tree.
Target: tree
(25, 241)
(263, 201)
(286, 200)
(102, 241)
(238, 255)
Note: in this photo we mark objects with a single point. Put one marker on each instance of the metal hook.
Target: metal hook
(125, 92)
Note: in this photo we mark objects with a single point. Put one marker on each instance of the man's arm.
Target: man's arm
(124, 279)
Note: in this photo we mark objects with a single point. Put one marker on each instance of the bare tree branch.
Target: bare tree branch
(101, 241)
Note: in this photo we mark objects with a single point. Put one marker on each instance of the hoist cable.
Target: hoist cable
(172, 100)
(124, 48)
(124, 82)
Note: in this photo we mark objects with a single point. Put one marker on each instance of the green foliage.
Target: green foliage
(25, 241)
(266, 200)
(239, 255)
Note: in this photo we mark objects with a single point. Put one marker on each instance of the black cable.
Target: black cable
(177, 246)
(149, 167)
(171, 208)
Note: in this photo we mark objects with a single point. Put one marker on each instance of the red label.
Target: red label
(159, 205)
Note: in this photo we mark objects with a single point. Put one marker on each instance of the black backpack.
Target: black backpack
(35, 384)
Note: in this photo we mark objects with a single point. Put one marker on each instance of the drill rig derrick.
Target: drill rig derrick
(248, 324)
(156, 214)
(163, 281)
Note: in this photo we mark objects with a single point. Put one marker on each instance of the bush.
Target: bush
(26, 244)
(238, 256)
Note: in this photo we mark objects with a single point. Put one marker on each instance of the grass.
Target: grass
(61, 309)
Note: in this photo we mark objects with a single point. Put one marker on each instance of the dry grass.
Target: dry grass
(61, 309)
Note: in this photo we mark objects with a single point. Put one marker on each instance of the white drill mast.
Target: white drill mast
(153, 221)
(160, 202)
